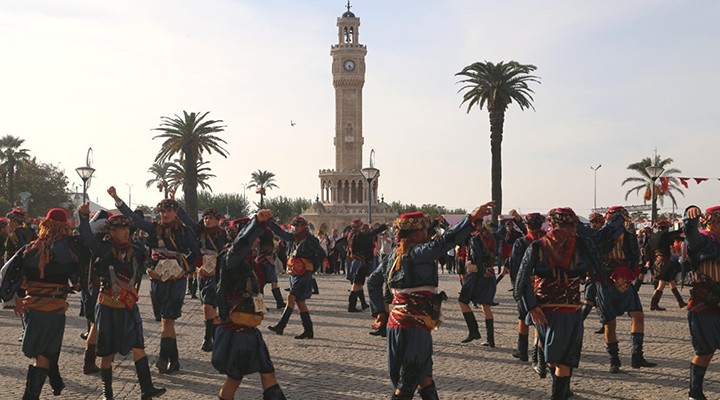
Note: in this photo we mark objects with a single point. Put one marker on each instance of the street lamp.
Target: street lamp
(370, 173)
(595, 186)
(85, 173)
(655, 171)
(129, 185)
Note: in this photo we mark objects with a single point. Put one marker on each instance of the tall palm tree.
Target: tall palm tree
(644, 182)
(262, 180)
(176, 175)
(190, 136)
(161, 176)
(496, 86)
(12, 156)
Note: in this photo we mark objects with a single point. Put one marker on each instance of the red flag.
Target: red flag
(664, 184)
(700, 180)
(684, 182)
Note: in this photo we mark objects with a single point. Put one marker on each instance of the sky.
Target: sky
(618, 80)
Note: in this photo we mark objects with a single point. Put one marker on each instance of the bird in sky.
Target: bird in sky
(292, 123)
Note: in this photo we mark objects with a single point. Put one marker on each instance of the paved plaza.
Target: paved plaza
(344, 362)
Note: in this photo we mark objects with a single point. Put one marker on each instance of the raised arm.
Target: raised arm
(243, 242)
(279, 232)
(139, 222)
(380, 229)
(86, 234)
(185, 218)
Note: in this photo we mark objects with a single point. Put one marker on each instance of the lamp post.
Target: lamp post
(595, 186)
(129, 185)
(85, 173)
(655, 171)
(370, 173)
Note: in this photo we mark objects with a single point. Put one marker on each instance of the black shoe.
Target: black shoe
(379, 332)
(207, 346)
(696, 395)
(600, 331)
(278, 330)
(353, 309)
(471, 336)
(305, 335)
(488, 344)
(162, 366)
(520, 355)
(173, 366)
(541, 370)
(84, 336)
(638, 361)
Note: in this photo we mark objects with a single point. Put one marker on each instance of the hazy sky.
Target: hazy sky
(619, 78)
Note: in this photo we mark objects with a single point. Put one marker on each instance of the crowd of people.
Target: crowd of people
(560, 270)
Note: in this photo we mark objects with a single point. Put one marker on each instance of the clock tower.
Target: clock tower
(344, 193)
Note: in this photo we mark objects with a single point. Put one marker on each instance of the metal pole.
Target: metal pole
(653, 207)
(84, 191)
(369, 202)
(595, 192)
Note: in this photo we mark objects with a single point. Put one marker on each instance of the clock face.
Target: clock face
(349, 65)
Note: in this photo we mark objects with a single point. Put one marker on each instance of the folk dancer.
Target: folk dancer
(211, 239)
(174, 249)
(304, 254)
(619, 250)
(703, 247)
(118, 320)
(660, 248)
(360, 256)
(479, 285)
(534, 223)
(413, 280)
(43, 269)
(548, 286)
(239, 346)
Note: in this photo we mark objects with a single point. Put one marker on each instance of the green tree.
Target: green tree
(496, 86)
(176, 175)
(285, 208)
(644, 182)
(11, 156)
(45, 182)
(160, 177)
(234, 204)
(190, 136)
(433, 210)
(262, 180)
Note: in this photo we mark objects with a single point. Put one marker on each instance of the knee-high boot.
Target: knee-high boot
(280, 326)
(164, 357)
(561, 388)
(473, 329)
(174, 357)
(614, 352)
(697, 375)
(586, 308)
(56, 381)
(106, 376)
(207, 344)
(655, 301)
(307, 324)
(89, 366)
(315, 288)
(273, 393)
(678, 297)
(34, 383)
(521, 353)
(429, 392)
(352, 302)
(147, 389)
(278, 299)
(638, 360)
(363, 304)
(490, 333)
(541, 366)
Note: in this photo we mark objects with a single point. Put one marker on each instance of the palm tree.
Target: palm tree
(645, 182)
(262, 180)
(190, 136)
(12, 156)
(161, 176)
(176, 175)
(496, 86)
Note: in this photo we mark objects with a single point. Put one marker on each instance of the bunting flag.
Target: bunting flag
(700, 180)
(664, 184)
(665, 181)
(684, 182)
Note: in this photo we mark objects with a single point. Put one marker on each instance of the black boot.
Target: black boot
(490, 330)
(614, 351)
(106, 376)
(148, 391)
(678, 297)
(601, 330)
(473, 331)
(352, 302)
(308, 332)
(637, 352)
(164, 357)
(403, 396)
(280, 326)
(521, 352)
(534, 356)
(586, 311)
(382, 329)
(278, 299)
(56, 381)
(315, 288)
(273, 393)
(363, 304)
(638, 283)
(89, 366)
(174, 365)
(697, 375)
(541, 366)
(561, 388)
(85, 334)
(429, 392)
(207, 344)
(34, 383)
(655, 301)
(194, 288)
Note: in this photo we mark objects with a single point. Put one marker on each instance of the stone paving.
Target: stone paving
(344, 362)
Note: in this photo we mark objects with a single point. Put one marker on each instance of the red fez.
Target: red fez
(167, 204)
(57, 214)
(298, 220)
(534, 220)
(211, 212)
(118, 221)
(713, 210)
(596, 217)
(16, 215)
(412, 221)
(356, 222)
(663, 223)
(616, 209)
(562, 215)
